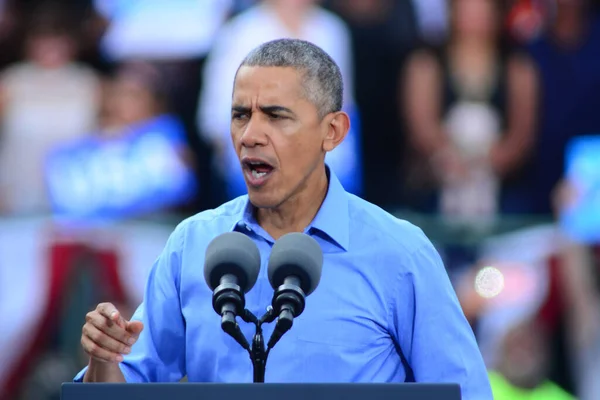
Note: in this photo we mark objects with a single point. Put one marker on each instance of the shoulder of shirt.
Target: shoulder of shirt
(23, 69)
(250, 17)
(403, 236)
(17, 71)
(83, 70)
(333, 20)
(221, 218)
(247, 17)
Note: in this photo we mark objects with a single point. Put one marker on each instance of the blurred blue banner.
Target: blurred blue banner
(139, 171)
(581, 220)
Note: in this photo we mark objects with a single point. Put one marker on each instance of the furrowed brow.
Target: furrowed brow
(240, 109)
(276, 109)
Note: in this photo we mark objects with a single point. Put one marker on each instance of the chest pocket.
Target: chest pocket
(339, 325)
(332, 345)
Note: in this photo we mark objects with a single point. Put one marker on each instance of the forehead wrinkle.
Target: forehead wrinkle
(246, 80)
(266, 104)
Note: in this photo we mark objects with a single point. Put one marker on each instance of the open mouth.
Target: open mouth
(257, 171)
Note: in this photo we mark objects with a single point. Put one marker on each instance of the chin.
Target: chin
(263, 200)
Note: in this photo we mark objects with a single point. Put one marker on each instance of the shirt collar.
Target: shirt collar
(332, 219)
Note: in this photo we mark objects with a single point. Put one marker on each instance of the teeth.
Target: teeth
(258, 174)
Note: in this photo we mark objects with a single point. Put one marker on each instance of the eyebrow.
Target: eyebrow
(275, 109)
(264, 109)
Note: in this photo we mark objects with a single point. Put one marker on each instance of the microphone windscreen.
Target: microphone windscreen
(296, 254)
(232, 253)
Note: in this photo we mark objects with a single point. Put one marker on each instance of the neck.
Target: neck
(473, 47)
(297, 212)
(290, 17)
(472, 57)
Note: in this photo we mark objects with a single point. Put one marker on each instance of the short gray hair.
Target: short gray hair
(322, 79)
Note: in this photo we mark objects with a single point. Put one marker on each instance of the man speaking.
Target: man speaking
(384, 311)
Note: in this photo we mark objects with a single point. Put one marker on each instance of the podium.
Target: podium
(259, 391)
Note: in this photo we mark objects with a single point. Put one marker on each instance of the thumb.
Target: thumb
(135, 327)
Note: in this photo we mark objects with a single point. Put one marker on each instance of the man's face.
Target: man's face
(277, 133)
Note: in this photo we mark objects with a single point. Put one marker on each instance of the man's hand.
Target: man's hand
(106, 335)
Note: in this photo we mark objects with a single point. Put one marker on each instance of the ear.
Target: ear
(338, 125)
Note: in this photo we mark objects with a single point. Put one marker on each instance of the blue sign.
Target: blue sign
(581, 220)
(139, 171)
(345, 161)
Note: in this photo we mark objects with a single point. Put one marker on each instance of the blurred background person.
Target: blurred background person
(175, 36)
(137, 105)
(541, 274)
(470, 108)
(523, 368)
(138, 161)
(383, 33)
(45, 99)
(136, 93)
(567, 56)
(579, 273)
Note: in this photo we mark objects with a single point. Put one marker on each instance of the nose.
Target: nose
(254, 133)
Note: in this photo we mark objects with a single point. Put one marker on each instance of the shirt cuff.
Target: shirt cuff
(127, 373)
(80, 375)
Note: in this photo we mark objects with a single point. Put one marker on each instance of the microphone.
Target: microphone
(231, 267)
(294, 270)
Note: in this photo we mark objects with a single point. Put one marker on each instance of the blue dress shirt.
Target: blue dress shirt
(384, 310)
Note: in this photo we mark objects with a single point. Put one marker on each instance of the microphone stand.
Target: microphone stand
(258, 354)
(289, 302)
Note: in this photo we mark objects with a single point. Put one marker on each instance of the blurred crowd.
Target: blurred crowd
(462, 110)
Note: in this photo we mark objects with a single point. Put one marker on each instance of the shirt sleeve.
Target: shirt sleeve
(159, 353)
(431, 330)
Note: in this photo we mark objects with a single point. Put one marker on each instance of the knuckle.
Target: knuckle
(103, 307)
(89, 316)
(95, 335)
(93, 348)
